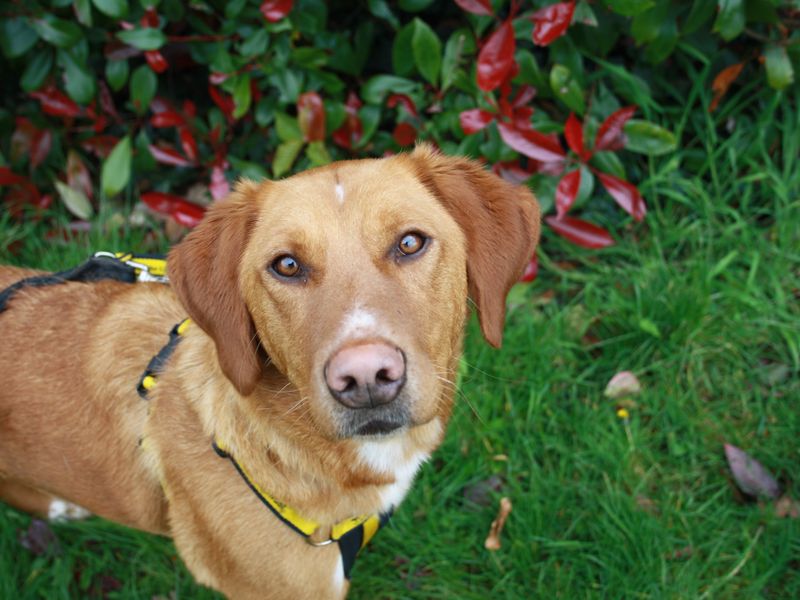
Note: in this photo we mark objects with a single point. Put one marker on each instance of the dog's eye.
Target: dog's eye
(411, 243)
(286, 266)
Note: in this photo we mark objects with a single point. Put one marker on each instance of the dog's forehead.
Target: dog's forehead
(353, 186)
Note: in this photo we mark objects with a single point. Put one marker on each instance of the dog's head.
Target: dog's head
(353, 280)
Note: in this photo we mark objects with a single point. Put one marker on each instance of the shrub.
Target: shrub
(168, 102)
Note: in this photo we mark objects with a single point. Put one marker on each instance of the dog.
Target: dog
(326, 313)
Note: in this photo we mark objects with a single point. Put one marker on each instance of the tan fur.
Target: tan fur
(250, 371)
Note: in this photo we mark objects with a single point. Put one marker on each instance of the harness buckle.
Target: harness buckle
(143, 271)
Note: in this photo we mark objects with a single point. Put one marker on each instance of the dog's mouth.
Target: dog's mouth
(378, 427)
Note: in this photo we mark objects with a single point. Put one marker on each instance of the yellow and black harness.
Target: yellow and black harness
(351, 535)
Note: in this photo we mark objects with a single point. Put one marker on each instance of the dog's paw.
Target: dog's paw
(61, 510)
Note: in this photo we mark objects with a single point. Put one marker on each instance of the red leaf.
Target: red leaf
(182, 211)
(41, 147)
(101, 145)
(573, 131)
(159, 105)
(722, 82)
(156, 61)
(496, 58)
(107, 101)
(78, 175)
(22, 139)
(580, 232)
(219, 184)
(404, 134)
(8, 177)
(626, 194)
(407, 103)
(311, 116)
(512, 172)
(524, 94)
(188, 143)
(223, 101)
(29, 194)
(532, 143)
(150, 18)
(168, 156)
(522, 118)
(476, 7)
(189, 108)
(217, 78)
(57, 103)
(349, 134)
(610, 136)
(167, 118)
(275, 10)
(474, 120)
(551, 22)
(567, 191)
(531, 270)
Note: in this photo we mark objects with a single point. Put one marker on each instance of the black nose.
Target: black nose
(366, 375)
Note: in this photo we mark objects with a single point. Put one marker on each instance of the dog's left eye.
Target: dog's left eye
(286, 266)
(411, 243)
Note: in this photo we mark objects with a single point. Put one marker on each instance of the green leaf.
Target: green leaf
(780, 72)
(83, 10)
(731, 19)
(37, 70)
(646, 26)
(75, 200)
(629, 8)
(414, 5)
(143, 88)
(255, 44)
(584, 14)
(608, 162)
(380, 8)
(376, 88)
(701, 11)
(645, 137)
(287, 128)
(370, 118)
(116, 74)
(460, 43)
(78, 80)
(650, 327)
(762, 11)
(16, 37)
(317, 153)
(116, 9)
(58, 32)
(116, 169)
(402, 53)
(530, 72)
(427, 51)
(285, 155)
(241, 96)
(567, 89)
(147, 38)
(247, 169)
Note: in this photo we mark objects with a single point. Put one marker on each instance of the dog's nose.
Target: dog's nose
(366, 375)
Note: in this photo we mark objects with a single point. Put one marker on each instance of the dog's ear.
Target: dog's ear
(204, 272)
(500, 222)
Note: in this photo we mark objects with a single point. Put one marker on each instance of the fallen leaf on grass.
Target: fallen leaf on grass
(39, 538)
(480, 493)
(751, 477)
(648, 505)
(786, 506)
(493, 539)
(681, 553)
(623, 384)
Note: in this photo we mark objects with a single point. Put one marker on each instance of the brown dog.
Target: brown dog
(328, 311)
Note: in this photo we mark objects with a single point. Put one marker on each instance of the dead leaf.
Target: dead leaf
(647, 504)
(722, 82)
(681, 553)
(493, 539)
(751, 477)
(786, 506)
(480, 493)
(39, 538)
(623, 384)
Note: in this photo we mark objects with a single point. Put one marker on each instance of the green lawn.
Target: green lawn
(702, 302)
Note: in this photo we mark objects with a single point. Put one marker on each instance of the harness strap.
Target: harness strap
(96, 268)
(148, 379)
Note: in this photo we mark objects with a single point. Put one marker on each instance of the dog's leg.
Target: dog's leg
(39, 503)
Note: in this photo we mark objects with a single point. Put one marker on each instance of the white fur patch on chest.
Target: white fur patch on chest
(61, 510)
(388, 457)
(339, 193)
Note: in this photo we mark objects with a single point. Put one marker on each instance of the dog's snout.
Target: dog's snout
(366, 375)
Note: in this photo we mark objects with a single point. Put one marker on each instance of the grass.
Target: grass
(701, 302)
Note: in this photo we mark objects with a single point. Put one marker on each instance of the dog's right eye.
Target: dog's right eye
(286, 266)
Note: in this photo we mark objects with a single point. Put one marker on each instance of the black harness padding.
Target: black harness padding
(96, 268)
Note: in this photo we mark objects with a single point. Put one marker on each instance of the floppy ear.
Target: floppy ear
(499, 220)
(204, 272)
